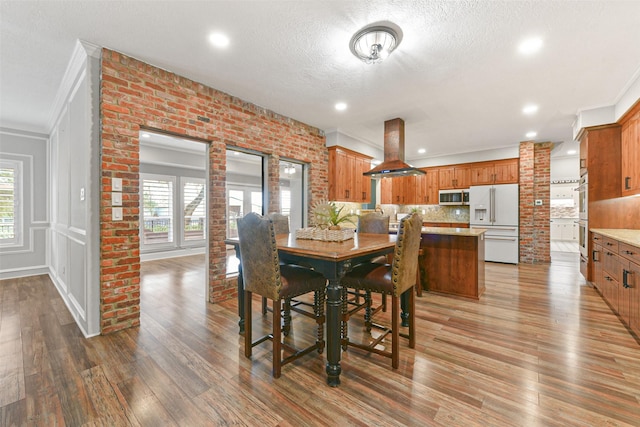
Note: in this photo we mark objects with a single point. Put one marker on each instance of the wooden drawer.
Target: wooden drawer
(609, 244)
(597, 239)
(630, 252)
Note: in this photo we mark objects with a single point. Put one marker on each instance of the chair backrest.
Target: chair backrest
(373, 222)
(405, 257)
(259, 253)
(280, 222)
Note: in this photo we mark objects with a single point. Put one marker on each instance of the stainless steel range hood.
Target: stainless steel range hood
(393, 165)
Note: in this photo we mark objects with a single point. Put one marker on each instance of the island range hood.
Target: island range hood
(393, 165)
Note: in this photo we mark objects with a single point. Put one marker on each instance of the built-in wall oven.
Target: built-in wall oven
(583, 197)
(583, 238)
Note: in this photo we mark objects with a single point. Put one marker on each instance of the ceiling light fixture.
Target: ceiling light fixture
(530, 109)
(531, 134)
(422, 150)
(571, 152)
(374, 43)
(219, 40)
(341, 106)
(530, 46)
(290, 170)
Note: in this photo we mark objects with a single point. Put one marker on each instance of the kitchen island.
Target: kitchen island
(452, 261)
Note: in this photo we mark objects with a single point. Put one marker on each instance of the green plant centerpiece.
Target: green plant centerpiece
(328, 215)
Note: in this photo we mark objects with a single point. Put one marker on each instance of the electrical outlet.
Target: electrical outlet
(538, 202)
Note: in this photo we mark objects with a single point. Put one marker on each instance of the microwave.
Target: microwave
(454, 197)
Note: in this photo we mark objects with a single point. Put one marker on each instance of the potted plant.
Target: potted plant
(328, 215)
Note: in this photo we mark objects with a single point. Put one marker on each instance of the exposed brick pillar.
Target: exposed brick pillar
(535, 180)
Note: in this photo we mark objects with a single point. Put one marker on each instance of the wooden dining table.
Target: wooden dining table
(333, 260)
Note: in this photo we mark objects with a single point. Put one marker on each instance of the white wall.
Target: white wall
(29, 256)
(74, 254)
(565, 168)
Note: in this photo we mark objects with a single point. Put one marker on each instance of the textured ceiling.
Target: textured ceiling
(456, 79)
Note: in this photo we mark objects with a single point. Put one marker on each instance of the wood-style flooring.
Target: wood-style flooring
(540, 348)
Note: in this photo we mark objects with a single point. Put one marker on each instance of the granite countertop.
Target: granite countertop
(446, 221)
(631, 237)
(450, 231)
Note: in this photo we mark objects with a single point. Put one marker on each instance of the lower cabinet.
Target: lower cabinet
(616, 268)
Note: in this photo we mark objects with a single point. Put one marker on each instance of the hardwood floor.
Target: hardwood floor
(540, 348)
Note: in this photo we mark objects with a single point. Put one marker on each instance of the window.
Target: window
(194, 205)
(10, 197)
(293, 192)
(157, 210)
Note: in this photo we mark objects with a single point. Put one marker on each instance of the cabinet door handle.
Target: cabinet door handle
(628, 252)
(626, 183)
(346, 194)
(608, 278)
(593, 256)
(583, 163)
(625, 278)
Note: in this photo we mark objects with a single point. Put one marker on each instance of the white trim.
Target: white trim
(187, 251)
(78, 61)
(14, 273)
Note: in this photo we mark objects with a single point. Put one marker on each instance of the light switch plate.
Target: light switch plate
(116, 199)
(116, 214)
(116, 184)
(82, 194)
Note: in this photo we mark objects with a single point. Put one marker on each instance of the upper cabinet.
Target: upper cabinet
(346, 180)
(453, 177)
(630, 153)
(600, 157)
(427, 187)
(495, 172)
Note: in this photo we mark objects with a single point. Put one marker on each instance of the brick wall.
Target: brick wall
(136, 95)
(535, 180)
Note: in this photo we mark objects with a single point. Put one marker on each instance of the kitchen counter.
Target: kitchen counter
(625, 235)
(468, 232)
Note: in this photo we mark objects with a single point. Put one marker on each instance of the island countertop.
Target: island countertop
(451, 231)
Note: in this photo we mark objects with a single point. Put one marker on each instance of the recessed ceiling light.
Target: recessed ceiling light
(341, 106)
(571, 152)
(531, 134)
(375, 162)
(422, 150)
(530, 46)
(530, 109)
(219, 40)
(146, 135)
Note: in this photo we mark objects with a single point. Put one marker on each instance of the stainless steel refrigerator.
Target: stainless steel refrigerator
(495, 208)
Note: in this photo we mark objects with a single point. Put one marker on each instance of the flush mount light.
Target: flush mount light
(530, 46)
(374, 43)
(571, 152)
(531, 134)
(422, 150)
(530, 109)
(341, 106)
(219, 40)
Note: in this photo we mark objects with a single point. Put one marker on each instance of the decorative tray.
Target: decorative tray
(324, 234)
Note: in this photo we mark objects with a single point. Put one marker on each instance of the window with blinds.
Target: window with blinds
(9, 201)
(157, 212)
(194, 213)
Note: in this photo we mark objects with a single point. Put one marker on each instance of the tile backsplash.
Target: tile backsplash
(431, 212)
(564, 211)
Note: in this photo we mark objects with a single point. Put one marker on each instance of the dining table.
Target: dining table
(333, 259)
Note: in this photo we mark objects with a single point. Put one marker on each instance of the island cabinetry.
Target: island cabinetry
(630, 153)
(454, 177)
(453, 263)
(346, 180)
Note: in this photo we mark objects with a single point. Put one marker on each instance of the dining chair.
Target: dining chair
(375, 223)
(391, 279)
(264, 275)
(281, 226)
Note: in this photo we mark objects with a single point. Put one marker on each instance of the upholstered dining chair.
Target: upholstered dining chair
(281, 226)
(353, 300)
(264, 275)
(391, 279)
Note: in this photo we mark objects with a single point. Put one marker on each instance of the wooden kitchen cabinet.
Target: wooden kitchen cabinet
(495, 172)
(429, 187)
(346, 180)
(454, 177)
(601, 157)
(630, 153)
(386, 191)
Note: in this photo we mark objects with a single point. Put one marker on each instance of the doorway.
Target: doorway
(173, 210)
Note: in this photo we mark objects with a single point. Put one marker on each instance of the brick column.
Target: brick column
(535, 180)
